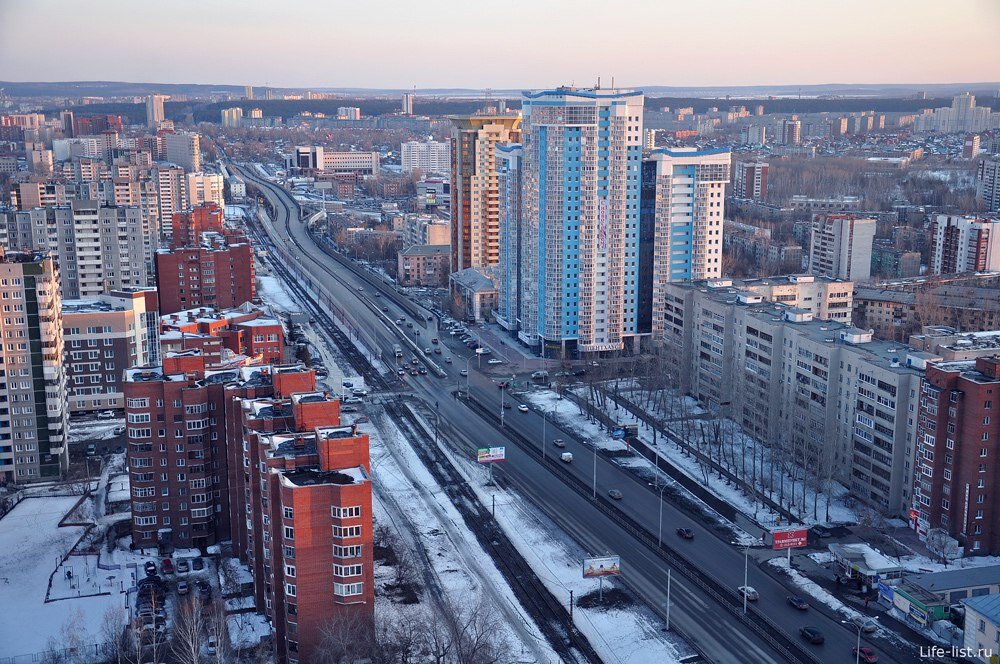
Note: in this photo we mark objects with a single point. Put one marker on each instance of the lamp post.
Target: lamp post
(468, 363)
(746, 573)
(857, 649)
(501, 406)
(659, 536)
(543, 435)
(595, 470)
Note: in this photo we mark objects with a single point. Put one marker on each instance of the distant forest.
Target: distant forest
(210, 112)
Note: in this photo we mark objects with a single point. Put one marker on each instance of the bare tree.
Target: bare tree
(219, 631)
(113, 632)
(190, 631)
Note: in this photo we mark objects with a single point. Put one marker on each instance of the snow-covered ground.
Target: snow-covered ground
(272, 291)
(569, 415)
(31, 546)
(86, 431)
(464, 571)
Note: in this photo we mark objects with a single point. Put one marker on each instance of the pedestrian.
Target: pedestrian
(866, 601)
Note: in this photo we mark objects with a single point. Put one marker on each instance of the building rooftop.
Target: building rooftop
(427, 250)
(313, 476)
(957, 578)
(473, 279)
(865, 557)
(987, 606)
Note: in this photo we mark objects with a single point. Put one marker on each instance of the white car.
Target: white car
(494, 361)
(353, 400)
(523, 408)
(358, 392)
(464, 372)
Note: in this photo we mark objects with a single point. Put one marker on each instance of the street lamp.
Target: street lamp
(659, 536)
(468, 363)
(857, 649)
(746, 573)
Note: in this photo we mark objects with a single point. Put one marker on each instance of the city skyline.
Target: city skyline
(275, 46)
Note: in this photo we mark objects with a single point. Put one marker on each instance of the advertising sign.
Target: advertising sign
(790, 539)
(490, 454)
(618, 434)
(594, 568)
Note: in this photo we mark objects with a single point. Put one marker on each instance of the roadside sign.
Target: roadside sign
(791, 539)
(600, 567)
(618, 434)
(490, 454)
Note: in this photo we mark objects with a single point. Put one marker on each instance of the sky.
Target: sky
(508, 44)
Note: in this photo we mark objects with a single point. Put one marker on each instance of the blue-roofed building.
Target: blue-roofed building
(982, 628)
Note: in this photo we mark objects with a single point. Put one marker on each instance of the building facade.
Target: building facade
(34, 423)
(841, 246)
(581, 174)
(750, 180)
(104, 337)
(184, 149)
(154, 110)
(964, 244)
(424, 265)
(509, 278)
(955, 484)
(425, 156)
(988, 183)
(218, 272)
(475, 214)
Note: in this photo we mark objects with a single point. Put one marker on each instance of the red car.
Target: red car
(865, 654)
(167, 566)
(504, 385)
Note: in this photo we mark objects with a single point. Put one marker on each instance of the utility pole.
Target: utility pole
(595, 469)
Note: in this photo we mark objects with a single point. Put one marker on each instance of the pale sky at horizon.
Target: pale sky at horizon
(527, 43)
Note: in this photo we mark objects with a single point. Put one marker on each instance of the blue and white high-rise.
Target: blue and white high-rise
(582, 154)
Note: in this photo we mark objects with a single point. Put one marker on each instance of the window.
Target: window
(979, 514)
(346, 512)
(345, 531)
(346, 570)
(289, 533)
(348, 589)
(944, 503)
(290, 589)
(288, 513)
(346, 551)
(290, 570)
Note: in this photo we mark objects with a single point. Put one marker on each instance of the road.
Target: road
(704, 621)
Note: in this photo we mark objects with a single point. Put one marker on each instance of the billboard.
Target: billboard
(597, 567)
(791, 539)
(490, 454)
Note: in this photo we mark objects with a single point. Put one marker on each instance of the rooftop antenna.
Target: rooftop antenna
(598, 83)
(612, 82)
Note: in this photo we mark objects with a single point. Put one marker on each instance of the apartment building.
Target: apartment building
(183, 149)
(841, 246)
(99, 248)
(424, 229)
(103, 338)
(218, 272)
(509, 283)
(307, 535)
(33, 421)
(232, 117)
(205, 188)
(154, 110)
(957, 475)
(171, 193)
(988, 183)
(581, 174)
(750, 180)
(475, 213)
(819, 392)
(964, 244)
(188, 226)
(425, 156)
(682, 207)
(424, 265)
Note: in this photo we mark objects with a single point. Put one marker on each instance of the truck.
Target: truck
(567, 457)
(398, 350)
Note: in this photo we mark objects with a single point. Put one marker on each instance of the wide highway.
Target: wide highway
(706, 622)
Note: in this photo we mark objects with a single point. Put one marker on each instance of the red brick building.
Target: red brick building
(246, 330)
(957, 454)
(217, 273)
(307, 535)
(189, 225)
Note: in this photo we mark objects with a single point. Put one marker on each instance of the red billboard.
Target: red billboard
(791, 539)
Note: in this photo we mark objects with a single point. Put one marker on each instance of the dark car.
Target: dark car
(685, 533)
(150, 568)
(167, 566)
(812, 635)
(507, 405)
(864, 654)
(503, 385)
(798, 602)
(423, 370)
(409, 325)
(822, 531)
(204, 590)
(386, 309)
(197, 564)
(414, 372)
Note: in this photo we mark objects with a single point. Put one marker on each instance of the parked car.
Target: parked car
(812, 635)
(615, 494)
(385, 309)
(798, 602)
(183, 588)
(106, 415)
(204, 590)
(167, 566)
(558, 442)
(150, 568)
(494, 361)
(447, 360)
(865, 654)
(347, 383)
(183, 567)
(91, 449)
(685, 533)
(119, 431)
(213, 644)
(410, 325)
(486, 351)
(464, 372)
(362, 420)
(359, 392)
(749, 592)
(353, 400)
(437, 350)
(197, 564)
